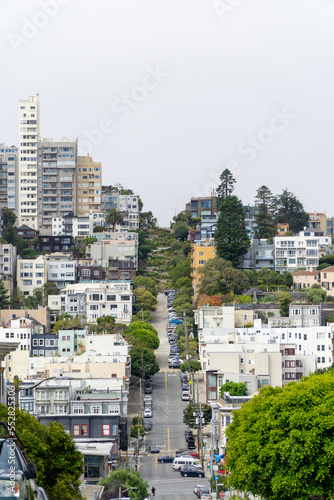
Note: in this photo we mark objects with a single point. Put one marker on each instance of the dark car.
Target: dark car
(185, 387)
(15, 471)
(154, 449)
(191, 471)
(166, 458)
(188, 434)
(148, 389)
(147, 425)
(191, 445)
(200, 489)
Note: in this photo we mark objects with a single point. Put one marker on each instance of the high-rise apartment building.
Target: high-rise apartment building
(56, 181)
(89, 185)
(126, 203)
(29, 136)
(8, 177)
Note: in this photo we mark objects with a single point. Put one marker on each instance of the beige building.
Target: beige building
(41, 315)
(29, 136)
(89, 185)
(31, 274)
(327, 279)
(305, 279)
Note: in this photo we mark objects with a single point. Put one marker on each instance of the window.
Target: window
(95, 409)
(84, 430)
(114, 409)
(105, 429)
(115, 430)
(125, 297)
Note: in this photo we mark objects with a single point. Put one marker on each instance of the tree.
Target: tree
(9, 217)
(284, 304)
(195, 366)
(66, 322)
(327, 259)
(180, 231)
(36, 299)
(289, 210)
(226, 186)
(150, 365)
(4, 297)
(316, 294)
(144, 300)
(234, 388)
(114, 217)
(219, 277)
(146, 338)
(141, 325)
(231, 236)
(281, 443)
(190, 419)
(148, 219)
(58, 462)
(146, 283)
(131, 483)
(49, 288)
(265, 214)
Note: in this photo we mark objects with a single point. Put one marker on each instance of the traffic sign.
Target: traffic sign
(215, 468)
(216, 478)
(222, 494)
(191, 382)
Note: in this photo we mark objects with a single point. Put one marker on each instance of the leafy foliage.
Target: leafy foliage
(180, 231)
(190, 419)
(195, 366)
(234, 388)
(144, 300)
(150, 365)
(316, 295)
(66, 322)
(126, 480)
(231, 236)
(4, 297)
(146, 283)
(226, 186)
(114, 218)
(58, 462)
(281, 443)
(149, 339)
(219, 277)
(289, 210)
(284, 302)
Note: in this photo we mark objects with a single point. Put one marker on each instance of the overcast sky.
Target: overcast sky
(169, 93)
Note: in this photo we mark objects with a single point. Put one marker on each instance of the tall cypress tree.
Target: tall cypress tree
(231, 237)
(226, 186)
(4, 298)
(265, 214)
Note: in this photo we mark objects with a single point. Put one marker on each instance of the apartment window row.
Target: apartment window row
(107, 430)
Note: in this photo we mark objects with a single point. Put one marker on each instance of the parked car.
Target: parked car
(148, 413)
(147, 398)
(147, 425)
(188, 434)
(16, 470)
(176, 321)
(148, 389)
(166, 458)
(200, 489)
(190, 454)
(185, 387)
(191, 471)
(185, 396)
(175, 363)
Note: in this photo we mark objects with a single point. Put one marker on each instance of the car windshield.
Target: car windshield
(9, 456)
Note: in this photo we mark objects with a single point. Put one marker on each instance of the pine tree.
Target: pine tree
(4, 298)
(231, 236)
(265, 214)
(289, 210)
(226, 186)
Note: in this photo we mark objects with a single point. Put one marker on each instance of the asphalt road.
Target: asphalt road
(168, 428)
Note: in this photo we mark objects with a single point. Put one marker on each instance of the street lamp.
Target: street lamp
(125, 489)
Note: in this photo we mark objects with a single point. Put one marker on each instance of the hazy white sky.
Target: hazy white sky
(167, 94)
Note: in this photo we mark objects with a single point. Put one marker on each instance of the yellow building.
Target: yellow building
(202, 251)
(89, 185)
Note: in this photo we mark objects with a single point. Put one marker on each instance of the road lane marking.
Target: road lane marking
(168, 439)
(166, 380)
(156, 461)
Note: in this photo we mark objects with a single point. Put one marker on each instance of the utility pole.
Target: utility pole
(187, 346)
(200, 441)
(140, 414)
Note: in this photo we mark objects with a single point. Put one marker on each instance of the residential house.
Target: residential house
(31, 274)
(8, 265)
(62, 269)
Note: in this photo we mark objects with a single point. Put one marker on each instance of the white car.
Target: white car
(185, 396)
(148, 413)
(148, 398)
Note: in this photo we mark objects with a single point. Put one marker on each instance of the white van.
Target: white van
(181, 461)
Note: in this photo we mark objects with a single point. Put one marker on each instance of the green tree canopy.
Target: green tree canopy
(126, 480)
(144, 300)
(284, 303)
(289, 210)
(190, 419)
(265, 214)
(231, 236)
(147, 283)
(195, 366)
(142, 325)
(145, 337)
(66, 322)
(234, 388)
(219, 277)
(150, 365)
(281, 443)
(181, 270)
(4, 296)
(316, 295)
(58, 462)
(226, 186)
(180, 231)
